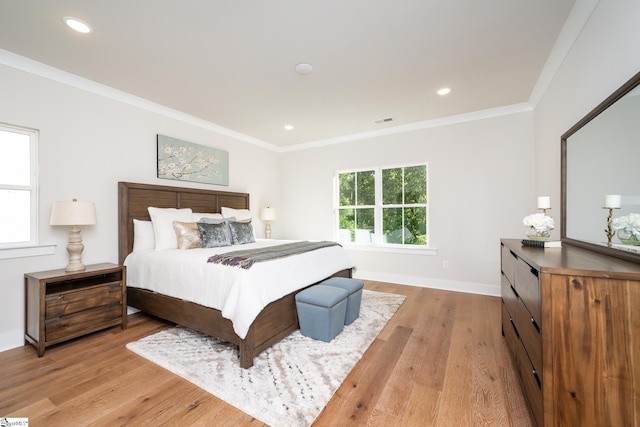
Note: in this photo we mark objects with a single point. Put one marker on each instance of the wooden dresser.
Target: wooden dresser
(571, 320)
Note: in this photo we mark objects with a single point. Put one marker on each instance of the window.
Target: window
(383, 206)
(18, 187)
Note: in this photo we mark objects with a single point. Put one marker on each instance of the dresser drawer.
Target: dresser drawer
(509, 331)
(531, 384)
(529, 335)
(83, 299)
(528, 287)
(508, 263)
(72, 325)
(509, 295)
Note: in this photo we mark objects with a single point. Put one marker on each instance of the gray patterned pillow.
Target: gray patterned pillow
(215, 235)
(207, 220)
(241, 232)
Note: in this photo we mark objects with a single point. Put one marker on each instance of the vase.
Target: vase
(535, 234)
(626, 236)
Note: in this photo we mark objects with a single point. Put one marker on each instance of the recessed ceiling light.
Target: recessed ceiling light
(288, 127)
(383, 121)
(444, 91)
(77, 25)
(304, 68)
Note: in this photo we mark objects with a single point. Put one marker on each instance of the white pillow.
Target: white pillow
(163, 231)
(198, 216)
(241, 215)
(143, 237)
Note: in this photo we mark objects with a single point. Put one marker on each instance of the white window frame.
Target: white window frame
(31, 247)
(376, 242)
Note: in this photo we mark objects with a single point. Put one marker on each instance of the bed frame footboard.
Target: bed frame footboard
(275, 322)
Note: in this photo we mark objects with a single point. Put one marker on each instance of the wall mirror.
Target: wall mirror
(600, 157)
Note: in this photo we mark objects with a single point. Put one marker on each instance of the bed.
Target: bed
(274, 322)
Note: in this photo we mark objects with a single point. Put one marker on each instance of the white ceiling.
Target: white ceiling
(232, 62)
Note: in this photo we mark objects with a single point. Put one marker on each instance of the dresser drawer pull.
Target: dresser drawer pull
(535, 324)
(535, 375)
(514, 327)
(56, 298)
(513, 254)
(514, 291)
(534, 271)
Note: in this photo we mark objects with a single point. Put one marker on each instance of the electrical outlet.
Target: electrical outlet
(445, 264)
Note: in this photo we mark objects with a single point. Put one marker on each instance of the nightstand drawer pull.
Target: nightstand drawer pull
(56, 298)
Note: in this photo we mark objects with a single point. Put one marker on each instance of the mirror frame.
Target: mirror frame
(612, 99)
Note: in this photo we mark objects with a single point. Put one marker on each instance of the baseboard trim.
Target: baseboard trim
(11, 339)
(426, 282)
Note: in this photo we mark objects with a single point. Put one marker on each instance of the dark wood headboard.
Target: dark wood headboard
(134, 199)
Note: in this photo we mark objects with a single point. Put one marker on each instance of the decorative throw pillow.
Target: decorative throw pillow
(198, 217)
(241, 233)
(241, 215)
(215, 235)
(188, 235)
(162, 219)
(143, 237)
(208, 220)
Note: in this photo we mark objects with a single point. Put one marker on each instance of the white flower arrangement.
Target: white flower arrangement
(630, 224)
(538, 225)
(539, 221)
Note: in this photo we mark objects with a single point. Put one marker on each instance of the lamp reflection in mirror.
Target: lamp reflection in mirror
(74, 213)
(267, 215)
(611, 202)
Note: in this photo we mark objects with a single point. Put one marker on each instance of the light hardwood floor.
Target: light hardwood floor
(440, 361)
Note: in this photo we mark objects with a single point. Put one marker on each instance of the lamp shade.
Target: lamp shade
(73, 213)
(268, 214)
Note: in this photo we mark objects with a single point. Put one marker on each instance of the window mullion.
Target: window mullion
(378, 208)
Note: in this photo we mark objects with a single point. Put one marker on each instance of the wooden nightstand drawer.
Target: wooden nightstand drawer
(73, 325)
(83, 299)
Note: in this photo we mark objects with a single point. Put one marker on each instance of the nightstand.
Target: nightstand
(60, 306)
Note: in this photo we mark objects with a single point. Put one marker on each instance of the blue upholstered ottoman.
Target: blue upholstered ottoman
(321, 311)
(354, 288)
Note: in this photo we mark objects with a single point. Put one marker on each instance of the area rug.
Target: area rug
(290, 383)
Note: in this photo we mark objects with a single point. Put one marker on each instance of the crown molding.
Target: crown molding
(48, 72)
(411, 127)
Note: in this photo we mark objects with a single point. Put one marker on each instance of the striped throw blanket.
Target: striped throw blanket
(246, 258)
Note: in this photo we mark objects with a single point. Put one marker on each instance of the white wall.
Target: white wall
(482, 172)
(481, 185)
(87, 144)
(605, 55)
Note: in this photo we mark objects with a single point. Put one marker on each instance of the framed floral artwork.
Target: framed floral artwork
(185, 161)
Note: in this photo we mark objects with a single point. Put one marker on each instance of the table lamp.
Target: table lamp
(268, 215)
(74, 213)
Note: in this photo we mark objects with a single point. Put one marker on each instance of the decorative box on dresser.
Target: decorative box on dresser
(60, 306)
(571, 320)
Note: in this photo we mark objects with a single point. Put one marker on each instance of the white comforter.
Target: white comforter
(238, 293)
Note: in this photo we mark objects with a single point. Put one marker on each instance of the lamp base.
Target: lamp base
(75, 248)
(267, 230)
